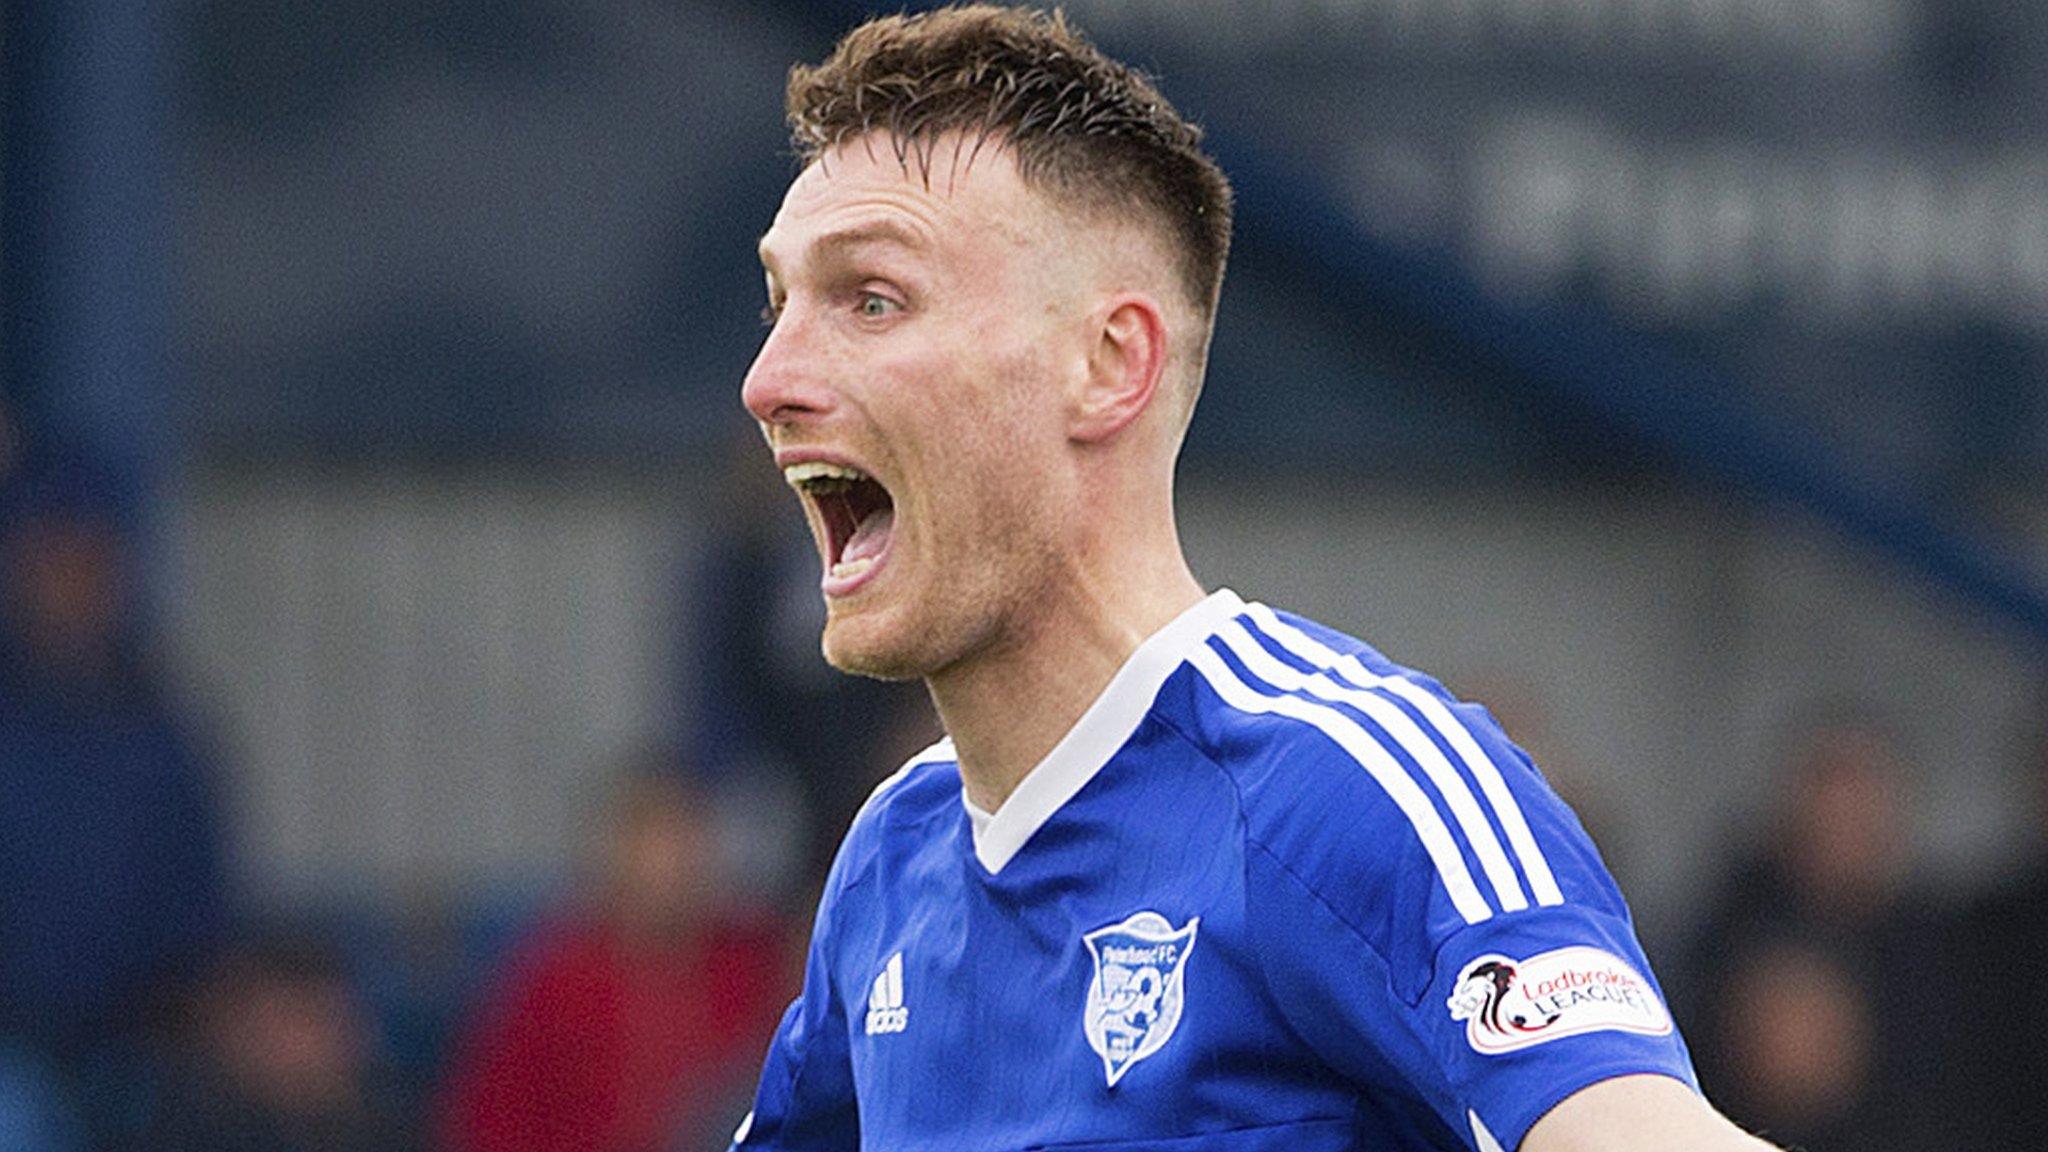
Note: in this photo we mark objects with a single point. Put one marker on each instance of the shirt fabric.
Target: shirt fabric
(1270, 892)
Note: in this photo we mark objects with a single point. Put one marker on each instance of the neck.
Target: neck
(1008, 706)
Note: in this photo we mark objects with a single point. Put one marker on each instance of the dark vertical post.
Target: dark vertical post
(85, 231)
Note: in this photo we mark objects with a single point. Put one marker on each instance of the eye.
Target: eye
(770, 313)
(875, 306)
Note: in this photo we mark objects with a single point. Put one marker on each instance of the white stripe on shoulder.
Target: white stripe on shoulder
(1483, 1139)
(1420, 748)
(1406, 794)
(1541, 881)
(937, 753)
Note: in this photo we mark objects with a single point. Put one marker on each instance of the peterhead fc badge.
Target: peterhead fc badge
(1139, 990)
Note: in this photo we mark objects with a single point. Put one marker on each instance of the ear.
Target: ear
(1126, 362)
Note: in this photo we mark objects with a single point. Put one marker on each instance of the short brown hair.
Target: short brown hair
(1083, 126)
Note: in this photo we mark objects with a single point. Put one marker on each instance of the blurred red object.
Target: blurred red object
(634, 1022)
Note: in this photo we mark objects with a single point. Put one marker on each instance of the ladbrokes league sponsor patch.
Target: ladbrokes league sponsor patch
(1509, 1004)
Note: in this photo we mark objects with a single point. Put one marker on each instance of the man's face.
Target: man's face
(913, 389)
(62, 579)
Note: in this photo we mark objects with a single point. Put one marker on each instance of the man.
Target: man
(1188, 873)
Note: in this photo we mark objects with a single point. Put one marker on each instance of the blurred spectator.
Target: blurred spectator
(767, 701)
(111, 879)
(2007, 1063)
(1817, 1000)
(635, 1019)
(1799, 1042)
(281, 1061)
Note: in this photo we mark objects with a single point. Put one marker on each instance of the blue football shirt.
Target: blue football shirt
(1270, 892)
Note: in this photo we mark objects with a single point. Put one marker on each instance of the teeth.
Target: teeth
(848, 569)
(815, 470)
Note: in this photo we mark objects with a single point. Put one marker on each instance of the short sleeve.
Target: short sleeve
(1483, 1031)
(1526, 1009)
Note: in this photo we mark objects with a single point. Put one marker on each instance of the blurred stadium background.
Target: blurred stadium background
(383, 538)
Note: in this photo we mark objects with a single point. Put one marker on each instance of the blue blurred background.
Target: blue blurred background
(404, 626)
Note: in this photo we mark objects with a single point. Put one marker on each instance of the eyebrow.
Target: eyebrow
(856, 236)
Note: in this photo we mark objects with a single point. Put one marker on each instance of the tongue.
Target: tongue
(870, 537)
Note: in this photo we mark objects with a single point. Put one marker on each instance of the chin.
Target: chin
(872, 648)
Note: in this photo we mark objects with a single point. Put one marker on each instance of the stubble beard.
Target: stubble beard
(848, 651)
(959, 612)
(929, 630)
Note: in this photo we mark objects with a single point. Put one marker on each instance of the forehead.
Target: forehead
(953, 196)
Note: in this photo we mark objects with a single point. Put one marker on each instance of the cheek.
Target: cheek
(989, 456)
(1023, 399)
(999, 522)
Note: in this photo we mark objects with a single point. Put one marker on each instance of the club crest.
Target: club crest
(1139, 990)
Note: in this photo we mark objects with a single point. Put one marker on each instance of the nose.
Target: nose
(784, 386)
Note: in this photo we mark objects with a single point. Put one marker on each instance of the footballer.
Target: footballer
(1188, 872)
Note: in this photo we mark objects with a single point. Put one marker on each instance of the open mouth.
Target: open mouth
(856, 514)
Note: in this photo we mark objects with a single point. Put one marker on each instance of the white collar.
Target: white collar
(1103, 729)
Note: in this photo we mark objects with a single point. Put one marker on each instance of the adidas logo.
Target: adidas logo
(886, 1012)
